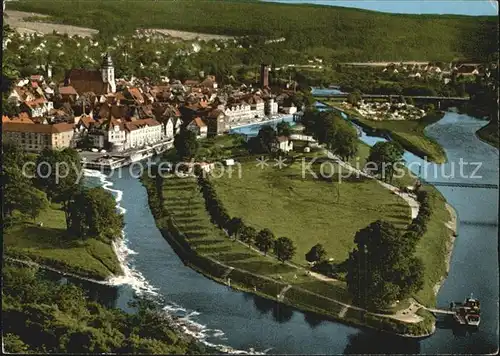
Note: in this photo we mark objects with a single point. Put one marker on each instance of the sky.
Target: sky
(457, 7)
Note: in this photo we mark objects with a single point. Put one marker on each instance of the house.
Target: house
(38, 107)
(198, 127)
(68, 94)
(98, 82)
(209, 82)
(292, 109)
(467, 70)
(217, 122)
(271, 107)
(37, 137)
(140, 133)
(283, 143)
(169, 128)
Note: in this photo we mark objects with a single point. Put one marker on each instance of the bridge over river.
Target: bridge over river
(463, 185)
(386, 96)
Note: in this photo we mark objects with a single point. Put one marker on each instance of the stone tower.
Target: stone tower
(108, 73)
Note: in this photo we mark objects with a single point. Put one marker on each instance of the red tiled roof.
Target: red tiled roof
(282, 138)
(23, 118)
(199, 122)
(86, 81)
(38, 128)
(67, 90)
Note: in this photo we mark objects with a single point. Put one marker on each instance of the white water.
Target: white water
(180, 316)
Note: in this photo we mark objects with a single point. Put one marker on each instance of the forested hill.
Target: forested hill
(340, 33)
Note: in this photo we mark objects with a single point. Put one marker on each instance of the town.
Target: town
(92, 109)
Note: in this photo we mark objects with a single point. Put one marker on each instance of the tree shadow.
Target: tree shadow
(368, 342)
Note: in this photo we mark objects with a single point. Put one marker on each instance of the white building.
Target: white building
(290, 109)
(198, 127)
(119, 135)
(144, 132)
(271, 107)
(284, 144)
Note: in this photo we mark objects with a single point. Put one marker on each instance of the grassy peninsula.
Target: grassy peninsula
(408, 133)
(51, 245)
(332, 32)
(307, 211)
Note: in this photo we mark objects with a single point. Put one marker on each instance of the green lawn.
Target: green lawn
(184, 201)
(409, 133)
(309, 210)
(52, 246)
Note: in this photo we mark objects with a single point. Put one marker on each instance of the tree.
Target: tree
(92, 213)
(37, 202)
(185, 144)
(354, 97)
(284, 249)
(345, 140)
(234, 226)
(264, 240)
(317, 253)
(380, 268)
(248, 234)
(58, 173)
(386, 156)
(284, 129)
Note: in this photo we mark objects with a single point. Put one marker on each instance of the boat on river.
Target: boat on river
(467, 313)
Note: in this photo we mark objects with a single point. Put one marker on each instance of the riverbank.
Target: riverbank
(489, 134)
(49, 244)
(211, 253)
(408, 133)
(452, 224)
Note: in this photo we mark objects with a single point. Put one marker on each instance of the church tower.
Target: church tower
(108, 73)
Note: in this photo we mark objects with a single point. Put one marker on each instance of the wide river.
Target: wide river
(219, 315)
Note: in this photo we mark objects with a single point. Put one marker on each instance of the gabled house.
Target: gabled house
(283, 143)
(198, 127)
(217, 122)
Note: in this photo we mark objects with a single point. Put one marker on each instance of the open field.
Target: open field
(50, 245)
(345, 34)
(186, 35)
(309, 210)
(16, 20)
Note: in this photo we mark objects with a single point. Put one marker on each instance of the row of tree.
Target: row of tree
(331, 129)
(264, 240)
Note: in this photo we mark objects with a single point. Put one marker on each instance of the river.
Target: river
(219, 315)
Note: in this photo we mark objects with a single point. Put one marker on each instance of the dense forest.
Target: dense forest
(332, 32)
(43, 316)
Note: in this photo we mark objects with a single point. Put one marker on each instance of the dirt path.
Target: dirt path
(412, 202)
